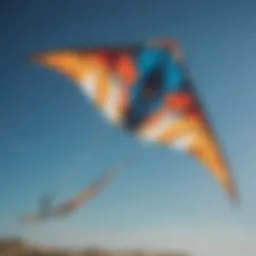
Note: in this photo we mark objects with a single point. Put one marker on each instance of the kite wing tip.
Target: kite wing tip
(35, 57)
(39, 57)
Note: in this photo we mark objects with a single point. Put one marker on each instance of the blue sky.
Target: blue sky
(165, 200)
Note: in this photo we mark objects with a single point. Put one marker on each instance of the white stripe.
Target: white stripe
(152, 134)
(111, 107)
(89, 85)
(184, 142)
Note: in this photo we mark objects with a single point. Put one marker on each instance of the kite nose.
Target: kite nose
(66, 62)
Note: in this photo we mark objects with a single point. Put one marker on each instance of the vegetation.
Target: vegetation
(16, 247)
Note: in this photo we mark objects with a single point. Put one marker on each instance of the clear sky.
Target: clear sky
(165, 200)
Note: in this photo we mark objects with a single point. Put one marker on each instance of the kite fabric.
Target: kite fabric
(145, 89)
(47, 211)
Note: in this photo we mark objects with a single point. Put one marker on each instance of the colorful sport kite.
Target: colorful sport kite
(48, 211)
(145, 89)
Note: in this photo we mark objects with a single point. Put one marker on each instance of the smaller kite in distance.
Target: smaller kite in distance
(48, 211)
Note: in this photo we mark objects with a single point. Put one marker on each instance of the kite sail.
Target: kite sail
(145, 89)
(48, 211)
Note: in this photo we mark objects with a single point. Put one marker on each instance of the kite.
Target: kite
(48, 211)
(145, 88)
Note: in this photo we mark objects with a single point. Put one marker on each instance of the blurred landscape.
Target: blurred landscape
(18, 247)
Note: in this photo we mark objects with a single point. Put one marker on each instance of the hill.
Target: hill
(17, 247)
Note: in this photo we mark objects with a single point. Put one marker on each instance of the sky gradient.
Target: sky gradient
(164, 200)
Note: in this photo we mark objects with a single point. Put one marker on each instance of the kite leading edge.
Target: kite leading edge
(145, 88)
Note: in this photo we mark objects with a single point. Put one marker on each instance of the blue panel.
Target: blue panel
(158, 73)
